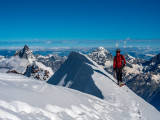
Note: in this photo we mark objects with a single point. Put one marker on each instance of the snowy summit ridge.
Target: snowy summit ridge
(81, 73)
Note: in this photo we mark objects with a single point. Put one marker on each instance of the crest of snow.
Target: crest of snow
(150, 55)
(102, 50)
(108, 63)
(131, 56)
(31, 57)
(61, 83)
(41, 56)
(41, 66)
(156, 78)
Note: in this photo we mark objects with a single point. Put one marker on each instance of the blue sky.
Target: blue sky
(78, 23)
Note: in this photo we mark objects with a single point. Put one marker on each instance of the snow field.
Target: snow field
(27, 99)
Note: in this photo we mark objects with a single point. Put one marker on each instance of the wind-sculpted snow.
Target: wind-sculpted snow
(27, 99)
(24, 99)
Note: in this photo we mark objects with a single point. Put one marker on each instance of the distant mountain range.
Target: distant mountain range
(53, 61)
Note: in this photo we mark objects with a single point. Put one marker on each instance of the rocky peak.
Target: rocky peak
(100, 56)
(153, 64)
(156, 59)
(133, 60)
(26, 48)
(101, 49)
(25, 53)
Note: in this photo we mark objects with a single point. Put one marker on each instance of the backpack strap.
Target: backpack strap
(116, 57)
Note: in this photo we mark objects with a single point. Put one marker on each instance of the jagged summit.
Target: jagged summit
(26, 48)
(153, 64)
(25, 53)
(133, 60)
(101, 56)
(101, 49)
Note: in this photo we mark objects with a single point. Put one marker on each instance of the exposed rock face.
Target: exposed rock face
(25, 53)
(53, 61)
(32, 68)
(133, 60)
(76, 73)
(147, 84)
(153, 65)
(101, 56)
(38, 71)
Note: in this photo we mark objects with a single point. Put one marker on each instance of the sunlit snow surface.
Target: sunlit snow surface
(22, 98)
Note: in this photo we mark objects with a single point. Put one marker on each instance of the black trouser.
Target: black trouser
(119, 74)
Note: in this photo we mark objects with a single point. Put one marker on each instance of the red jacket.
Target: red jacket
(119, 61)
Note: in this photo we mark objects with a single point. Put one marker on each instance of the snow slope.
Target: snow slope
(81, 73)
(23, 98)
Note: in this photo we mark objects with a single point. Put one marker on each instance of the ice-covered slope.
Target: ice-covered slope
(23, 98)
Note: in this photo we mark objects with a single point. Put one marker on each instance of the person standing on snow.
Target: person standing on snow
(118, 64)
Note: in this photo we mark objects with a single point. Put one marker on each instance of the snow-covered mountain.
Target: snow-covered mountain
(153, 64)
(2, 58)
(82, 74)
(101, 56)
(25, 53)
(142, 76)
(39, 71)
(147, 83)
(25, 63)
(76, 70)
(133, 60)
(53, 61)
